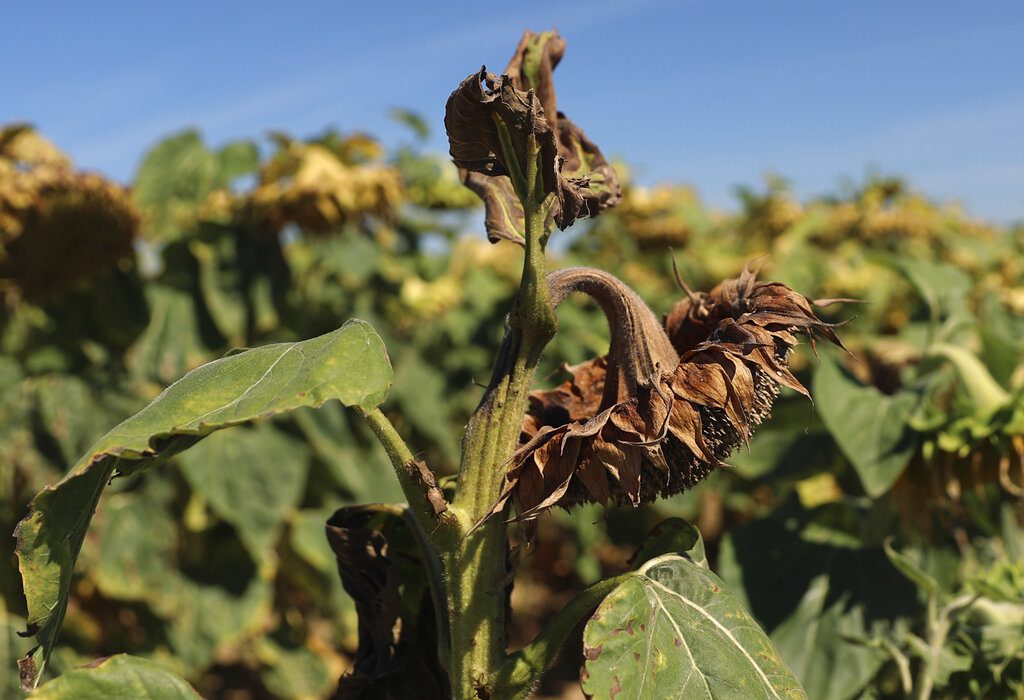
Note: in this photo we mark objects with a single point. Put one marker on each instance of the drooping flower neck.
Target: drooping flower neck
(639, 350)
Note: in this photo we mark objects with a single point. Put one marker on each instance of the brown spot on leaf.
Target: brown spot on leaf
(95, 663)
(590, 653)
(27, 672)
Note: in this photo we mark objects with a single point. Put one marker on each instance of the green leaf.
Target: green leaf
(792, 445)
(206, 618)
(115, 677)
(817, 641)
(674, 631)
(251, 478)
(137, 564)
(821, 594)
(295, 674)
(672, 536)
(238, 158)
(910, 569)
(349, 364)
(943, 287)
(980, 386)
(421, 392)
(175, 176)
(73, 413)
(870, 428)
(365, 472)
(179, 173)
(173, 343)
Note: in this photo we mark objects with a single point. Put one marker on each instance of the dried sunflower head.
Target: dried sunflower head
(320, 188)
(668, 403)
(58, 227)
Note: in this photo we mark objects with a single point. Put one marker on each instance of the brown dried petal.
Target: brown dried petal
(588, 184)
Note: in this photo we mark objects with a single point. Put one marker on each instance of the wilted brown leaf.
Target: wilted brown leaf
(397, 652)
(523, 101)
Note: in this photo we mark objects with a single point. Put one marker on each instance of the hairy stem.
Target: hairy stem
(477, 567)
(417, 482)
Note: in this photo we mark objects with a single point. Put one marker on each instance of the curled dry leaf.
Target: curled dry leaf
(523, 100)
(668, 403)
(377, 562)
(503, 212)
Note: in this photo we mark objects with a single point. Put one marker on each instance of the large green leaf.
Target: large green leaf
(824, 642)
(251, 481)
(138, 563)
(174, 341)
(295, 674)
(821, 593)
(869, 426)
(943, 287)
(673, 631)
(355, 461)
(349, 364)
(116, 678)
(206, 618)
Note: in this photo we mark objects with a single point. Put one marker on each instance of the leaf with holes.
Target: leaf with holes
(673, 631)
(349, 364)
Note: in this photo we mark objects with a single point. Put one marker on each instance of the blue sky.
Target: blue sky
(710, 92)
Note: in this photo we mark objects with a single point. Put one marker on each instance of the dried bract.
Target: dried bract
(668, 403)
(487, 108)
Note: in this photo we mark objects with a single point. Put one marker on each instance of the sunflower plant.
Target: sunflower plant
(431, 577)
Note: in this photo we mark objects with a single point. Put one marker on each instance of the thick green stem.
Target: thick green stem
(477, 568)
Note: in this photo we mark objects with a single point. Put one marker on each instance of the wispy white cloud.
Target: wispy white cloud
(326, 90)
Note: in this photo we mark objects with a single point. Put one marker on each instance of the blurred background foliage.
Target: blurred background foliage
(876, 533)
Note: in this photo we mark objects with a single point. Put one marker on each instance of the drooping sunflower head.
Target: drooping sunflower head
(668, 403)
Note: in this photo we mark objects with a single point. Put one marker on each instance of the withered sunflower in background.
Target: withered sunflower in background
(668, 403)
(59, 227)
